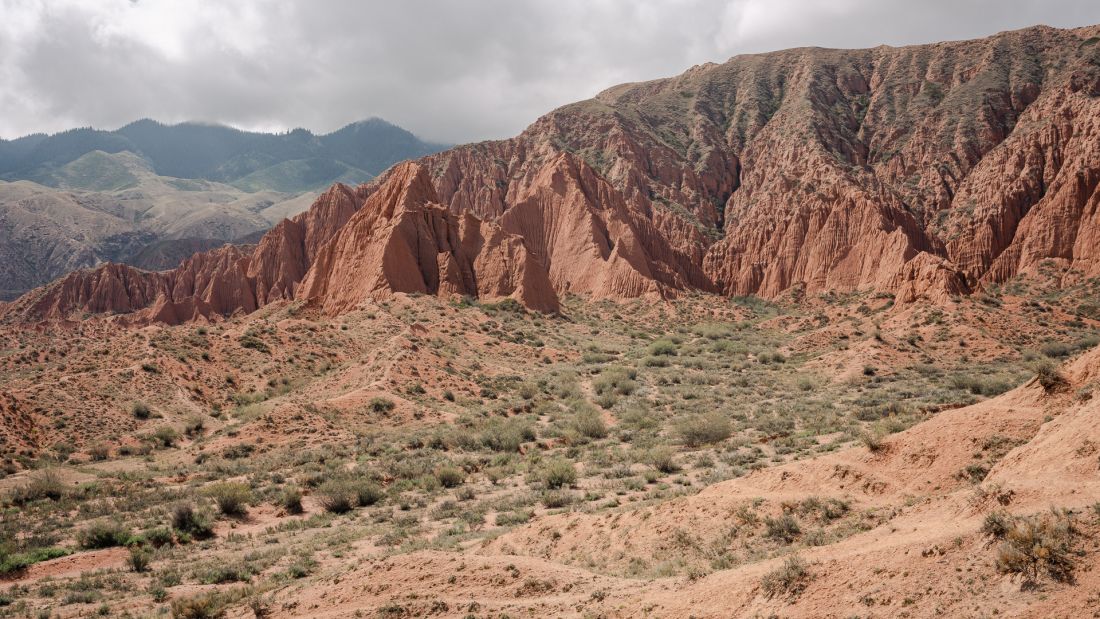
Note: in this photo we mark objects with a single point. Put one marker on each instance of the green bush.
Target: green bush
(16, 562)
(450, 476)
(368, 493)
(103, 535)
(336, 496)
(507, 436)
(231, 498)
(159, 536)
(291, 501)
(558, 473)
(166, 436)
(699, 430)
(588, 423)
(1050, 377)
(139, 559)
(187, 520)
(666, 348)
(207, 606)
(140, 410)
(663, 459)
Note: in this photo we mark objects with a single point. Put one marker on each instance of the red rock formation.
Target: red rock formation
(349, 247)
(925, 171)
(415, 245)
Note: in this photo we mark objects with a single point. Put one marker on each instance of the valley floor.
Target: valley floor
(838, 456)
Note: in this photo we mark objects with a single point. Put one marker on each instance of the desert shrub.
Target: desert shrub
(336, 496)
(666, 348)
(99, 452)
(974, 473)
(558, 473)
(555, 499)
(450, 476)
(140, 410)
(220, 574)
(996, 524)
(207, 606)
(45, 484)
(291, 501)
(506, 519)
(1054, 350)
(874, 440)
(507, 436)
(158, 536)
(368, 493)
(381, 405)
(166, 436)
(1050, 377)
(699, 430)
(231, 498)
(103, 535)
(1037, 545)
(784, 529)
(789, 579)
(616, 381)
(187, 520)
(139, 559)
(589, 423)
(194, 426)
(663, 459)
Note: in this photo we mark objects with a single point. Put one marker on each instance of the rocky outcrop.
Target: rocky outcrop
(410, 243)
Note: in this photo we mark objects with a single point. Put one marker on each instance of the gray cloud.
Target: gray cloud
(448, 70)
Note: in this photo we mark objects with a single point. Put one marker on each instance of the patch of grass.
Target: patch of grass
(15, 562)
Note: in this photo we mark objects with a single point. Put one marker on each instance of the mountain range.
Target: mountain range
(922, 172)
(150, 194)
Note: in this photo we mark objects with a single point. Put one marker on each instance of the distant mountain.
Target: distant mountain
(151, 194)
(291, 162)
(112, 207)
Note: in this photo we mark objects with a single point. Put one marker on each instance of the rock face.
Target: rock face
(411, 244)
(832, 169)
(925, 171)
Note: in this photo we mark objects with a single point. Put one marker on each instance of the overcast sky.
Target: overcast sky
(453, 71)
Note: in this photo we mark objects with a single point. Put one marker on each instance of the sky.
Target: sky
(448, 70)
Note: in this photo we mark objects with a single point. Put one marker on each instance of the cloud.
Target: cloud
(448, 70)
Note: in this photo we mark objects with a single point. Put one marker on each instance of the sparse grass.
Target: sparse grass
(789, 579)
